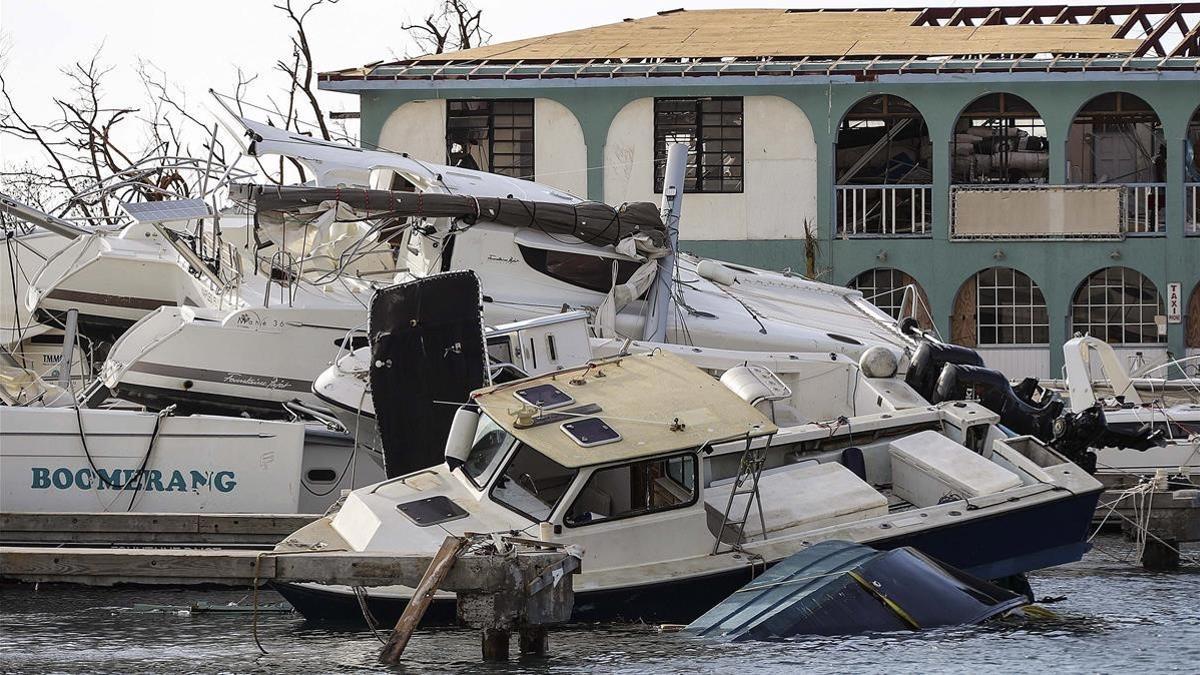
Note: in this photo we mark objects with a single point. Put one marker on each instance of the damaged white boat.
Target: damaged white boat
(98, 460)
(677, 488)
(1128, 409)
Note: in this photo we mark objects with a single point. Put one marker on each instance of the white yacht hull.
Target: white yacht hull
(200, 464)
(245, 361)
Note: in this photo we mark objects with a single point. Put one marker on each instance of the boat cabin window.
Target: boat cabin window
(636, 489)
(592, 272)
(532, 484)
(491, 444)
(499, 349)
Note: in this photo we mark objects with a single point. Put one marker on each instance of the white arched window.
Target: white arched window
(1010, 309)
(889, 289)
(1118, 305)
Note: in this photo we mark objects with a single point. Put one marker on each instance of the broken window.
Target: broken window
(493, 135)
(635, 489)
(712, 130)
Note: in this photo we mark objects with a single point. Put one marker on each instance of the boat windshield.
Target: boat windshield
(491, 444)
(532, 484)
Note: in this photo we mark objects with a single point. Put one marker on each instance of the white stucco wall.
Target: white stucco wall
(418, 128)
(780, 170)
(559, 153)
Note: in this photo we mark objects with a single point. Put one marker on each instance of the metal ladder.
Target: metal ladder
(746, 483)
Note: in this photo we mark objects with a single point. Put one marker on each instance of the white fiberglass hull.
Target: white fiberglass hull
(245, 361)
(200, 464)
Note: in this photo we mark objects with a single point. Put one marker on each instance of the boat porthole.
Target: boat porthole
(187, 384)
(321, 475)
(956, 513)
(885, 526)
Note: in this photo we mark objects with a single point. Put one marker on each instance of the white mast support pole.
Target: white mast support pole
(672, 206)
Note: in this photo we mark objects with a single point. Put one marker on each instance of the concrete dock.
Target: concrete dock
(149, 529)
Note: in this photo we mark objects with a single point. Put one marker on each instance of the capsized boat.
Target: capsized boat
(842, 588)
(678, 489)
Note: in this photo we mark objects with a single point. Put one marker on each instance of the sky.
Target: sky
(199, 45)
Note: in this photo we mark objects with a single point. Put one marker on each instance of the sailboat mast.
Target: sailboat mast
(672, 206)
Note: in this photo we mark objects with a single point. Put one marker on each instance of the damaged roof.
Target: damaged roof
(1044, 33)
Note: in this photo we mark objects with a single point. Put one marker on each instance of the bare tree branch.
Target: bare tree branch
(455, 25)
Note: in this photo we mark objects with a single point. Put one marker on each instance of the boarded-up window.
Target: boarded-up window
(1193, 319)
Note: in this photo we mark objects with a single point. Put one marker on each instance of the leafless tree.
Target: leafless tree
(299, 68)
(456, 24)
(91, 144)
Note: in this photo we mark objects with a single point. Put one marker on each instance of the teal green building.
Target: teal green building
(1009, 176)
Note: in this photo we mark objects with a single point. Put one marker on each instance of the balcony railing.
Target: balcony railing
(1191, 213)
(1145, 208)
(884, 210)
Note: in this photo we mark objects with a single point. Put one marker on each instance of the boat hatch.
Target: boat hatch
(431, 511)
(544, 396)
(590, 432)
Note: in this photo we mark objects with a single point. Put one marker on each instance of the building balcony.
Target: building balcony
(884, 210)
(1035, 211)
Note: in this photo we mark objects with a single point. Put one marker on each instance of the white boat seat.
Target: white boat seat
(928, 468)
(799, 495)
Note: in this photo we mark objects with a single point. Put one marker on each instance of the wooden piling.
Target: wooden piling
(434, 575)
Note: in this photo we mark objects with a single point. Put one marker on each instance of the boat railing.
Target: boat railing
(884, 210)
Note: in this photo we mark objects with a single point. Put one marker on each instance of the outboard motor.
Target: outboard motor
(926, 364)
(992, 389)
(1075, 435)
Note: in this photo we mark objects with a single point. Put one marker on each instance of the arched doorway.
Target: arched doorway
(999, 138)
(895, 292)
(883, 170)
(1116, 139)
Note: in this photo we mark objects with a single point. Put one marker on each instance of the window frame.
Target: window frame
(696, 156)
(1084, 289)
(537, 259)
(513, 451)
(1032, 325)
(518, 172)
(666, 459)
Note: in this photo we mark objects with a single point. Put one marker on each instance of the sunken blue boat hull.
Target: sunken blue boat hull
(841, 588)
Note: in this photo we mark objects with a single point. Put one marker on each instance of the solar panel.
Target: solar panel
(167, 211)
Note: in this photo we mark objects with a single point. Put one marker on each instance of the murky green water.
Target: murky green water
(1116, 619)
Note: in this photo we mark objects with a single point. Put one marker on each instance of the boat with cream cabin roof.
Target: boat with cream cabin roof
(678, 489)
